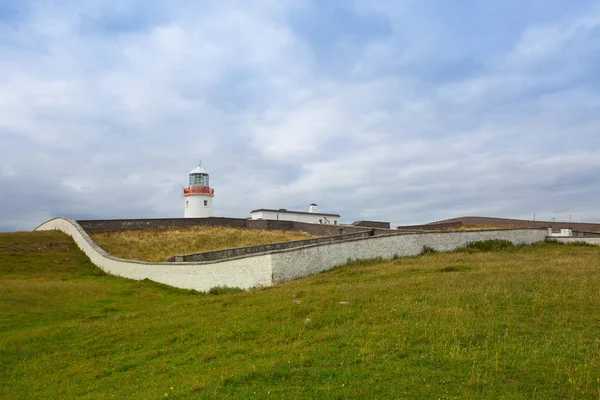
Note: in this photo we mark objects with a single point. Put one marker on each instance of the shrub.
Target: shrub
(218, 290)
(428, 250)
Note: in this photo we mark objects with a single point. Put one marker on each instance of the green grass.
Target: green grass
(158, 244)
(521, 323)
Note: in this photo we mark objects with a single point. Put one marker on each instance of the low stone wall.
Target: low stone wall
(302, 262)
(328, 230)
(587, 239)
(264, 248)
(313, 229)
(585, 234)
(265, 269)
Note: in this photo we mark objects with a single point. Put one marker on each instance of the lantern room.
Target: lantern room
(199, 176)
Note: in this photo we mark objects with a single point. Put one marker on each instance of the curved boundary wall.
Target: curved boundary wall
(266, 269)
(242, 272)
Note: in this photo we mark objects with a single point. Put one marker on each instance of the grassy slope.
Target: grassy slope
(521, 323)
(158, 244)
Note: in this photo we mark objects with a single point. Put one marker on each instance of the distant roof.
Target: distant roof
(198, 170)
(282, 211)
(373, 224)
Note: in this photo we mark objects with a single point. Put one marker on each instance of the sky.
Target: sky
(408, 111)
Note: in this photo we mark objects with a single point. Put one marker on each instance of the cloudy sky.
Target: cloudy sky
(406, 111)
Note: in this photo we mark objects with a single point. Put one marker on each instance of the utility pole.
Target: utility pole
(534, 216)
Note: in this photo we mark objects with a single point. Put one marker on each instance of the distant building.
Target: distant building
(198, 195)
(311, 217)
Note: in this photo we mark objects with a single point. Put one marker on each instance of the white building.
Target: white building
(311, 217)
(198, 195)
(568, 232)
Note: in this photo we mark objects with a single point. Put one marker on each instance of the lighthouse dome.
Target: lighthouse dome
(198, 170)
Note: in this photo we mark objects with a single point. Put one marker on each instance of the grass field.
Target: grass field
(516, 323)
(158, 244)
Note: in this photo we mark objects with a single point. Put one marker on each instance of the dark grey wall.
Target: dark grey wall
(268, 225)
(131, 224)
(372, 224)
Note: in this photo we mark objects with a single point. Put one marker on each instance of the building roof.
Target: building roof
(284, 211)
(373, 224)
(198, 170)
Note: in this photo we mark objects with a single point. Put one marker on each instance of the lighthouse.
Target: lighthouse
(198, 195)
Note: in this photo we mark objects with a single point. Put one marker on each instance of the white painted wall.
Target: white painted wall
(309, 260)
(195, 208)
(563, 232)
(287, 216)
(279, 266)
(242, 272)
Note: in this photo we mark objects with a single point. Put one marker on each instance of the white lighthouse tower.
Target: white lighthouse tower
(198, 195)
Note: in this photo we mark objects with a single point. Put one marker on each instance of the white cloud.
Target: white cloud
(116, 120)
(545, 43)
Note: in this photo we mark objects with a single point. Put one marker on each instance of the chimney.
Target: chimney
(313, 208)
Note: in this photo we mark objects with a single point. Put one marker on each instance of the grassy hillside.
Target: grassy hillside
(513, 324)
(158, 244)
